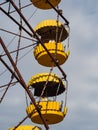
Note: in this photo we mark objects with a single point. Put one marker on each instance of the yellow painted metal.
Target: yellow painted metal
(26, 127)
(56, 50)
(50, 110)
(55, 85)
(42, 4)
(51, 30)
(42, 77)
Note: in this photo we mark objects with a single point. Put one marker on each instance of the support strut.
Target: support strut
(20, 79)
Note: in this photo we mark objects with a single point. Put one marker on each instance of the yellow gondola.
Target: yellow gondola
(55, 85)
(47, 86)
(51, 112)
(26, 127)
(51, 30)
(42, 4)
(56, 50)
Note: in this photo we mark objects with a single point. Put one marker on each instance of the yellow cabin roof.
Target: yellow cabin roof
(26, 127)
(54, 86)
(47, 30)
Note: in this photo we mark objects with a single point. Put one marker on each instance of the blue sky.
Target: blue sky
(81, 67)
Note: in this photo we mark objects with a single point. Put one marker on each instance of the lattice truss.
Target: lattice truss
(26, 40)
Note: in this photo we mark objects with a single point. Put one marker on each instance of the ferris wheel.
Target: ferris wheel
(45, 92)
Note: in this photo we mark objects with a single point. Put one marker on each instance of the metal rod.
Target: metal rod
(5, 91)
(17, 34)
(58, 12)
(20, 123)
(9, 68)
(5, 85)
(3, 3)
(15, 21)
(21, 15)
(21, 8)
(17, 50)
(21, 80)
